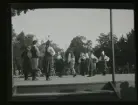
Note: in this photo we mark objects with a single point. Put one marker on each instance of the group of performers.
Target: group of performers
(87, 62)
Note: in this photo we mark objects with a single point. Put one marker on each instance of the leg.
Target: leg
(33, 75)
(90, 73)
(26, 75)
(48, 71)
(73, 71)
(35, 69)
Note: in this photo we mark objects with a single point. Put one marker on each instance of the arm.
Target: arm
(96, 59)
(99, 59)
(107, 58)
(69, 58)
(74, 60)
(79, 60)
(22, 55)
(37, 51)
(52, 51)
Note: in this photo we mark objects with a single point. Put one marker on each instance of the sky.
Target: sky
(64, 24)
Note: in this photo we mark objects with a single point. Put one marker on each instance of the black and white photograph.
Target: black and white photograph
(85, 54)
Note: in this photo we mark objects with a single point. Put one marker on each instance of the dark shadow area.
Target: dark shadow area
(68, 91)
(127, 93)
(107, 87)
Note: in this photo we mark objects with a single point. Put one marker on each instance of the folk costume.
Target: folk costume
(34, 60)
(103, 63)
(48, 63)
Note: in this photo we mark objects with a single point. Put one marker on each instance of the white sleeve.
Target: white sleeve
(52, 51)
(107, 58)
(79, 60)
(96, 59)
(99, 58)
(37, 51)
(69, 58)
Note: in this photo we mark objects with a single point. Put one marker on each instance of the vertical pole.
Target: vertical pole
(113, 66)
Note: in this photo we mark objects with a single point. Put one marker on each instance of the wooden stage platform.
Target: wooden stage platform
(78, 86)
(75, 80)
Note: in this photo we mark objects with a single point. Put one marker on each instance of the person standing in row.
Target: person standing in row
(48, 60)
(83, 66)
(35, 58)
(71, 61)
(87, 62)
(103, 63)
(59, 64)
(92, 64)
(27, 67)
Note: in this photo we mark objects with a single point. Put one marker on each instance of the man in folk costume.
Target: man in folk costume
(103, 63)
(35, 57)
(27, 67)
(92, 63)
(59, 64)
(87, 62)
(48, 60)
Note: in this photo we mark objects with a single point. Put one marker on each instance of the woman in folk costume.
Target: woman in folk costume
(35, 59)
(27, 67)
(83, 66)
(48, 60)
(59, 64)
(92, 63)
(71, 61)
(103, 63)
(87, 62)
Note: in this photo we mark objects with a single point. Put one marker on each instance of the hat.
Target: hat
(34, 41)
(48, 42)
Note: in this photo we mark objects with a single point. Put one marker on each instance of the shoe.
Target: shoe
(27, 79)
(104, 74)
(74, 75)
(60, 76)
(48, 79)
(36, 79)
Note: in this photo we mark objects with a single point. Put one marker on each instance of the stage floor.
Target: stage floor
(75, 80)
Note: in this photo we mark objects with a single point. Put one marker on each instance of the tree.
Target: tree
(130, 47)
(77, 46)
(21, 40)
(29, 39)
(17, 12)
(104, 44)
(88, 45)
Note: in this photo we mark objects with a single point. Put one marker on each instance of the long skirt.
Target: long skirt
(35, 64)
(102, 66)
(59, 66)
(83, 68)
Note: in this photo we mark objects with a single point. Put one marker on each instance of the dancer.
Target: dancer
(48, 63)
(71, 60)
(103, 63)
(59, 64)
(92, 64)
(35, 57)
(27, 67)
(83, 66)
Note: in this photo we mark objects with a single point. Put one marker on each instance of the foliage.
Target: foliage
(17, 12)
(124, 48)
(78, 44)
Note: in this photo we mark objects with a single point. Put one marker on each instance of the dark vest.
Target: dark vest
(34, 52)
